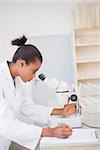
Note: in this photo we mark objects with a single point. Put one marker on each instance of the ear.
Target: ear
(21, 63)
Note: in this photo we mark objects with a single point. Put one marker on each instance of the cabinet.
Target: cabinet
(87, 53)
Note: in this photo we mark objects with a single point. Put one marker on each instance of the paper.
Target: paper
(78, 136)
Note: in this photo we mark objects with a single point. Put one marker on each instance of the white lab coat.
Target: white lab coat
(16, 101)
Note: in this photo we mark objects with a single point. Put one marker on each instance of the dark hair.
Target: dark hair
(26, 52)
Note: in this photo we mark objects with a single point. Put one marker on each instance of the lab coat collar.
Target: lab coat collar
(7, 74)
(6, 71)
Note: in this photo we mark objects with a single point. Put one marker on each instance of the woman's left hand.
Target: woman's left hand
(69, 109)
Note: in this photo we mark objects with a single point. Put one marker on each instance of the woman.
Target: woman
(15, 77)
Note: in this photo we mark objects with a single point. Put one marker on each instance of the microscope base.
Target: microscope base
(73, 121)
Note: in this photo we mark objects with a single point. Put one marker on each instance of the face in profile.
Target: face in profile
(28, 71)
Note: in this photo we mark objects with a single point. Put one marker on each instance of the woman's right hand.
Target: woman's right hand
(62, 132)
(59, 131)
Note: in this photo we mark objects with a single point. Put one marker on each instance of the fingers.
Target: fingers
(62, 132)
(70, 106)
(66, 134)
(66, 128)
(66, 131)
(69, 111)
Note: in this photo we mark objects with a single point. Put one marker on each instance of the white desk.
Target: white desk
(93, 146)
(86, 146)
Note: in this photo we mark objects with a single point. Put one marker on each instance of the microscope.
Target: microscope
(65, 95)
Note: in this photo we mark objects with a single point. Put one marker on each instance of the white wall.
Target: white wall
(1, 33)
(32, 19)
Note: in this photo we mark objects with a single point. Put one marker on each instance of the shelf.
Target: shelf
(92, 81)
(88, 77)
(88, 70)
(87, 44)
(87, 54)
(82, 61)
(87, 30)
(87, 49)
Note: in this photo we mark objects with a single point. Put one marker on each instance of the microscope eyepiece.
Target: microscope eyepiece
(42, 77)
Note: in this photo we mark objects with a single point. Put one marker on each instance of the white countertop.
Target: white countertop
(87, 118)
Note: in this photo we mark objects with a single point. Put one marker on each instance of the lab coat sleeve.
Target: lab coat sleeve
(37, 113)
(15, 130)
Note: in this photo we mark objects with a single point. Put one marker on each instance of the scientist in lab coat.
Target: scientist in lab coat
(15, 99)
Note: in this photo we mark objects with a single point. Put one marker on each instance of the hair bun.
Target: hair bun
(19, 41)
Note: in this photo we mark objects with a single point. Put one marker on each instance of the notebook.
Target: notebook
(78, 136)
